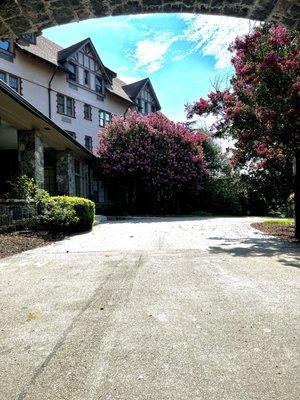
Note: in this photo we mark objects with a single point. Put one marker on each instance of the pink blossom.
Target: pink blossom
(202, 105)
(279, 36)
(260, 164)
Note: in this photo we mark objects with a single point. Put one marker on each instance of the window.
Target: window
(49, 180)
(65, 105)
(3, 76)
(70, 106)
(60, 104)
(101, 118)
(71, 133)
(86, 77)
(104, 118)
(88, 112)
(98, 84)
(14, 83)
(72, 72)
(29, 38)
(107, 118)
(4, 45)
(88, 143)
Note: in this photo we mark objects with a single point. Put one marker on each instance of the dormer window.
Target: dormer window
(29, 38)
(99, 84)
(4, 45)
(72, 72)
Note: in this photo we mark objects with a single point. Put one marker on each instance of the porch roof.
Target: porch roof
(24, 116)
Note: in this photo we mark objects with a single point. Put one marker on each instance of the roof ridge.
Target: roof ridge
(135, 82)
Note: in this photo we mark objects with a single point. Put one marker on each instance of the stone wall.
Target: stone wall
(20, 16)
(12, 212)
(31, 156)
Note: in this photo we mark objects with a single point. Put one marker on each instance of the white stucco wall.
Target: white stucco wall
(35, 76)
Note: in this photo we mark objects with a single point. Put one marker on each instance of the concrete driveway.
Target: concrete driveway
(153, 309)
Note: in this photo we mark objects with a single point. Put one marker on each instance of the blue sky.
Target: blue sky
(182, 54)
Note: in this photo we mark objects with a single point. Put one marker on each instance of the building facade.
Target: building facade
(75, 90)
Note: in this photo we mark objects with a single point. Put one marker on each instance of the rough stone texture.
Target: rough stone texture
(31, 156)
(65, 174)
(14, 211)
(21, 16)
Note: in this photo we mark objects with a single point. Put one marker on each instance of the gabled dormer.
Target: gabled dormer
(84, 67)
(143, 95)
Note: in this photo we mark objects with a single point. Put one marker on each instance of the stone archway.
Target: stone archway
(21, 16)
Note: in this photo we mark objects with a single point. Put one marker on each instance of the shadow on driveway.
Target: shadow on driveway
(288, 253)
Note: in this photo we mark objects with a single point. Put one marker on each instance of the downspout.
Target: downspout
(49, 92)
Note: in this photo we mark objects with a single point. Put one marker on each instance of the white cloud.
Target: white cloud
(207, 35)
(149, 53)
(128, 79)
(212, 35)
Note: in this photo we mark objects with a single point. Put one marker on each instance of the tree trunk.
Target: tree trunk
(297, 194)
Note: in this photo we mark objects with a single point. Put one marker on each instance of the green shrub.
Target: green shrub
(59, 217)
(66, 213)
(41, 200)
(286, 210)
(22, 188)
(26, 189)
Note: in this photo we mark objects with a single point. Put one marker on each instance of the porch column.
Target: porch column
(65, 173)
(31, 155)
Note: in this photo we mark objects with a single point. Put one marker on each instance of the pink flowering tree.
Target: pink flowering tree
(157, 162)
(261, 109)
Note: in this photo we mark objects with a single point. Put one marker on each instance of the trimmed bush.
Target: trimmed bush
(69, 214)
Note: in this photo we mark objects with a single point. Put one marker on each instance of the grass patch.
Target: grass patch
(287, 221)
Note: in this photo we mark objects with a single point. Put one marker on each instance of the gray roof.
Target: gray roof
(117, 89)
(44, 49)
(68, 51)
(54, 54)
(28, 106)
(133, 89)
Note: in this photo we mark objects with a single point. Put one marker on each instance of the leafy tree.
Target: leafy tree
(223, 190)
(159, 163)
(261, 109)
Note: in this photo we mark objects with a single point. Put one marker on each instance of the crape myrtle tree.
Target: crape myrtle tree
(157, 163)
(261, 109)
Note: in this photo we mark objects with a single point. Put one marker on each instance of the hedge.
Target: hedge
(67, 213)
